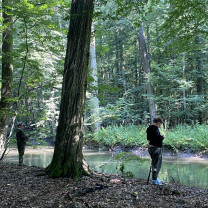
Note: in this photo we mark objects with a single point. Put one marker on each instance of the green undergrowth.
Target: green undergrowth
(121, 135)
(182, 137)
(194, 138)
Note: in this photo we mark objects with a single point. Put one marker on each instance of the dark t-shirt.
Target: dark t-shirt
(20, 135)
(154, 137)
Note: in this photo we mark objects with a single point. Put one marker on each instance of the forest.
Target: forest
(96, 73)
(124, 87)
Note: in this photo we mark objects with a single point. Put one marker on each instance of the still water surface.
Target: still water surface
(188, 171)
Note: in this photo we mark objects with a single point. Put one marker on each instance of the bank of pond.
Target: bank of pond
(189, 138)
(191, 171)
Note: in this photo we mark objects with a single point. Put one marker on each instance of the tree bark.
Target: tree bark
(7, 71)
(146, 67)
(68, 157)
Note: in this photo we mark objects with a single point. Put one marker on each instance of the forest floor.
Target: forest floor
(23, 186)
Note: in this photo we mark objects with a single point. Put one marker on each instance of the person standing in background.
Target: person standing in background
(21, 141)
(155, 148)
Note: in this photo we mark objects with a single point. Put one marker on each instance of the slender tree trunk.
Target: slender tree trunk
(122, 64)
(7, 71)
(146, 67)
(68, 157)
(200, 88)
(141, 75)
(159, 56)
(94, 100)
(139, 100)
(136, 55)
(117, 54)
(199, 69)
(136, 66)
(141, 80)
(148, 42)
(52, 109)
(184, 78)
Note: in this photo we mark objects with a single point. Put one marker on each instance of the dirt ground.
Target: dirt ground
(29, 187)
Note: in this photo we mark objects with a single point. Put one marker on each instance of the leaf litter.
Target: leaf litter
(30, 187)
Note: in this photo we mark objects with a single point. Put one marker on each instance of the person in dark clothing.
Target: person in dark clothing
(21, 141)
(155, 148)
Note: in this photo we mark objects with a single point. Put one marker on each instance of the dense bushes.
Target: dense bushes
(194, 138)
(120, 135)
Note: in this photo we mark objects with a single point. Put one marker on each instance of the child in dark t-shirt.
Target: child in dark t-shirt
(155, 148)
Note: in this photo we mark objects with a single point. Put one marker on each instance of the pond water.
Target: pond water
(188, 171)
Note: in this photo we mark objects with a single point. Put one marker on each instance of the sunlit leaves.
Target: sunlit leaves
(185, 20)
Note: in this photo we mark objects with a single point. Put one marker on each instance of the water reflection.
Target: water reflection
(188, 171)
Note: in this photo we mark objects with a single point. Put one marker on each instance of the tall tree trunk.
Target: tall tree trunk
(68, 157)
(141, 80)
(7, 71)
(141, 71)
(159, 54)
(136, 65)
(52, 109)
(136, 55)
(146, 67)
(122, 64)
(184, 78)
(117, 53)
(94, 102)
(199, 68)
(199, 77)
(148, 42)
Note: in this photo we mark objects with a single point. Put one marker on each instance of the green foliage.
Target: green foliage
(125, 157)
(125, 173)
(38, 52)
(13, 142)
(188, 18)
(178, 61)
(121, 135)
(186, 138)
(193, 138)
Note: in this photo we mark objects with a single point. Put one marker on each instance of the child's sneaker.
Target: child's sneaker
(160, 181)
(157, 182)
